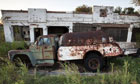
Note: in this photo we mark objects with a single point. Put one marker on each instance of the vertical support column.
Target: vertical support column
(45, 30)
(8, 32)
(32, 37)
(71, 28)
(129, 35)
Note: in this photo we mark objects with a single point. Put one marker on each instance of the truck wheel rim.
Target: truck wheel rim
(93, 63)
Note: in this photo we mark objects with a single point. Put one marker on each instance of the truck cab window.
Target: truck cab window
(47, 41)
(40, 43)
(44, 41)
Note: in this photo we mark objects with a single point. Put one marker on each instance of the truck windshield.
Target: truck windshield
(44, 41)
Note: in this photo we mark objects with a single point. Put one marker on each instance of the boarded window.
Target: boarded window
(118, 34)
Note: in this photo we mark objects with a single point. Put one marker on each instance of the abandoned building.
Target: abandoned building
(29, 24)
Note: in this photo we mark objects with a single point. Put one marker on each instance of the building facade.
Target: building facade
(28, 25)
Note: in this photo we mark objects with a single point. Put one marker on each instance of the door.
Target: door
(38, 32)
(47, 49)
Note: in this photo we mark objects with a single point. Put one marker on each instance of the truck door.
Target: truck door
(47, 49)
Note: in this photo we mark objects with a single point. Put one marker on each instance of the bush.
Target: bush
(5, 47)
(2, 39)
(9, 74)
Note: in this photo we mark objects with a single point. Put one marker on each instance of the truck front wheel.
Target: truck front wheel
(93, 62)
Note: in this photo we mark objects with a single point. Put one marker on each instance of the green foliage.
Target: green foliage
(83, 9)
(126, 74)
(124, 70)
(5, 47)
(72, 74)
(9, 74)
(133, 66)
(1, 35)
(118, 10)
(129, 10)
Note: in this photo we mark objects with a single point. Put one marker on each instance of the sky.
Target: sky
(60, 5)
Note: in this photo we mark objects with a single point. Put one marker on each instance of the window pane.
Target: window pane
(40, 43)
(47, 41)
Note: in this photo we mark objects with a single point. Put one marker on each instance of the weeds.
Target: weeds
(9, 74)
(127, 74)
(5, 47)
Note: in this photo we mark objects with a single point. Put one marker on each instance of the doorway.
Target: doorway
(38, 32)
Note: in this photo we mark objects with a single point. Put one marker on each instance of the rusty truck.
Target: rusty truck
(90, 47)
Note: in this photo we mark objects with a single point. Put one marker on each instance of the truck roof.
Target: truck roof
(83, 38)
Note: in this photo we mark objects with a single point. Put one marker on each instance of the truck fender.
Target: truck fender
(27, 57)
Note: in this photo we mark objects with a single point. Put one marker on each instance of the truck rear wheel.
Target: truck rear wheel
(93, 62)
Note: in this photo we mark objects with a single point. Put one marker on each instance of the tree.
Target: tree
(129, 10)
(83, 9)
(118, 10)
(136, 2)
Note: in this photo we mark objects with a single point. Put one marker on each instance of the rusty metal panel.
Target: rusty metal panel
(78, 52)
(83, 38)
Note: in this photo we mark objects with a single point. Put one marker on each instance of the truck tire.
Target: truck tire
(93, 62)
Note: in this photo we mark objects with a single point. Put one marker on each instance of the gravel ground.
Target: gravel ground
(59, 71)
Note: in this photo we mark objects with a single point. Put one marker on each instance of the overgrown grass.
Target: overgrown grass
(123, 71)
(9, 74)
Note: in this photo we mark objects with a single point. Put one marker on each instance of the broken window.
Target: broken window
(59, 30)
(103, 13)
(21, 33)
(81, 27)
(118, 34)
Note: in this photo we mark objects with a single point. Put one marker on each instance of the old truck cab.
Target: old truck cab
(42, 52)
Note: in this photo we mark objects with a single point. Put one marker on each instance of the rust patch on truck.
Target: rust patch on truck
(84, 38)
(76, 45)
(78, 52)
